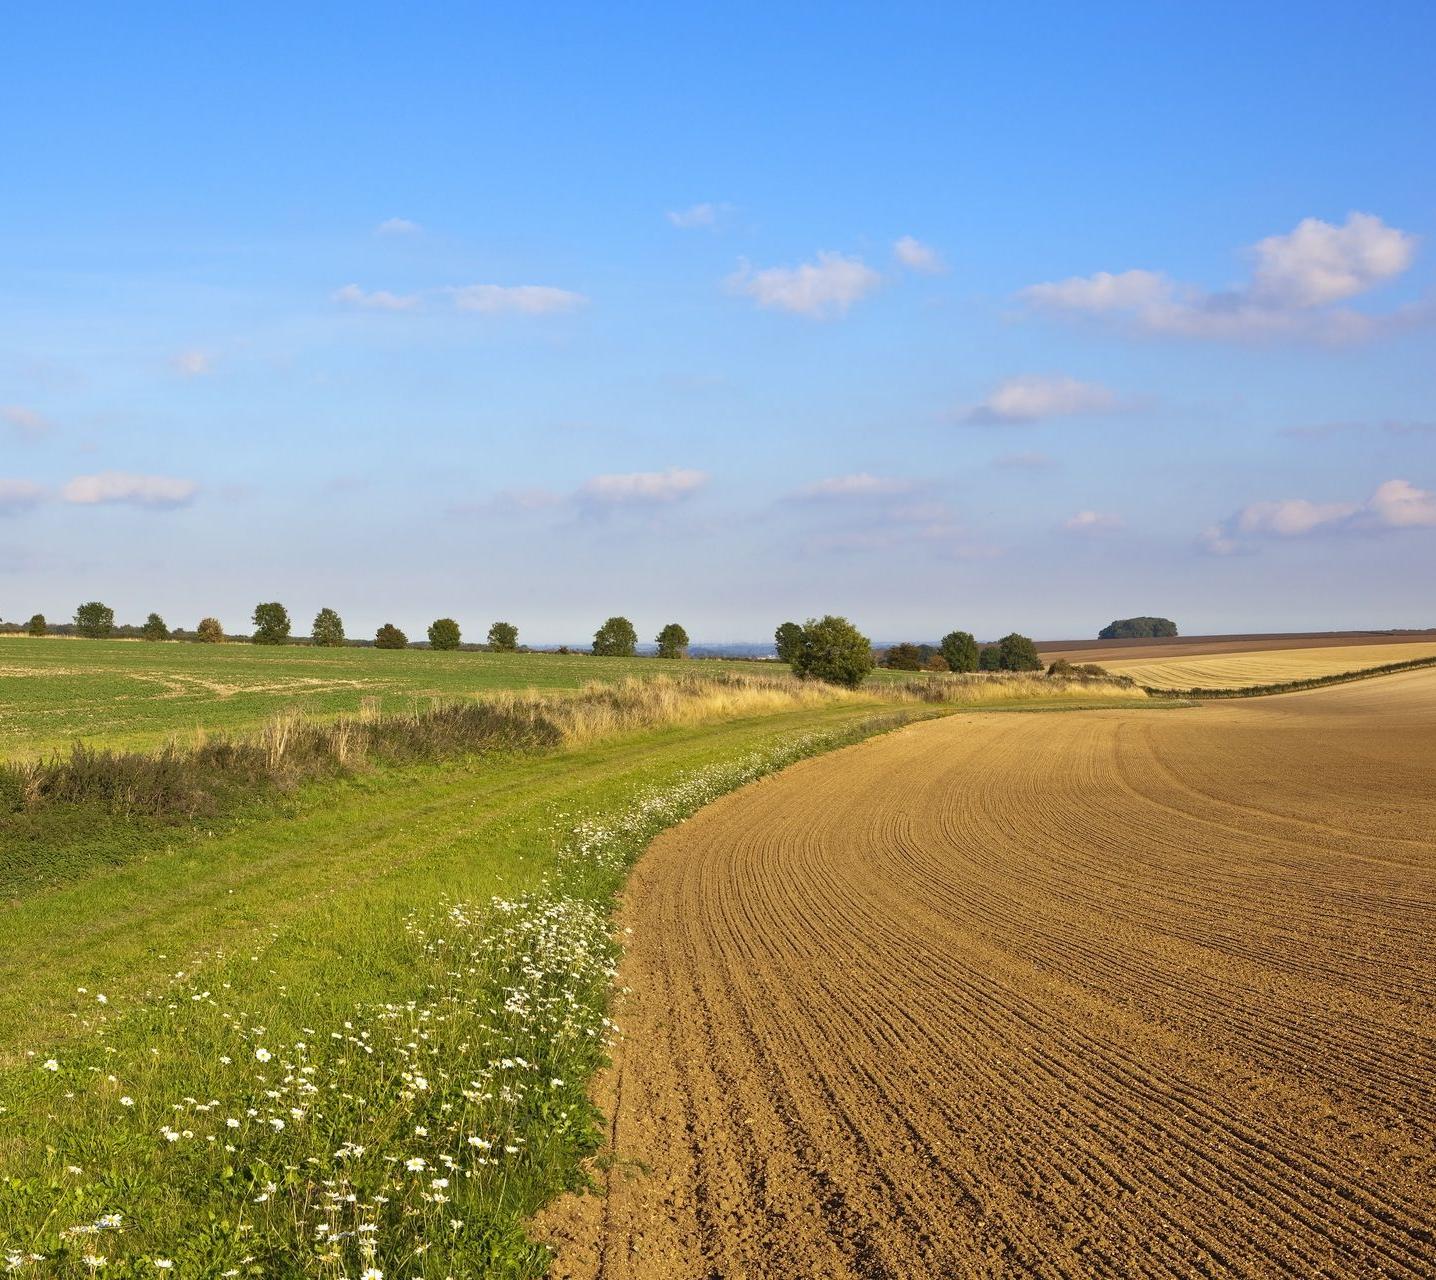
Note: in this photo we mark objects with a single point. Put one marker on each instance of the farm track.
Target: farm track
(1107, 994)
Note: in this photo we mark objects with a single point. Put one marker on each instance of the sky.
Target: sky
(994, 317)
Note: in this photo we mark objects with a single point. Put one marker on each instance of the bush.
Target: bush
(209, 631)
(835, 651)
(1138, 629)
(989, 658)
(1061, 667)
(94, 621)
(271, 623)
(672, 641)
(444, 634)
(328, 629)
(390, 637)
(789, 640)
(960, 650)
(615, 639)
(154, 628)
(936, 663)
(903, 657)
(503, 637)
(1018, 653)
(36, 625)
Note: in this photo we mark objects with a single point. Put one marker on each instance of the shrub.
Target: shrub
(835, 651)
(960, 650)
(390, 637)
(154, 628)
(936, 663)
(1018, 653)
(36, 625)
(328, 629)
(209, 631)
(672, 641)
(94, 621)
(989, 658)
(903, 657)
(615, 639)
(503, 637)
(1138, 629)
(443, 634)
(271, 623)
(789, 639)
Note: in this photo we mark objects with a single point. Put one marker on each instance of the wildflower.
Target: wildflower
(50, 1064)
(94, 1262)
(415, 1164)
(164, 1264)
(127, 1101)
(371, 1273)
(263, 1054)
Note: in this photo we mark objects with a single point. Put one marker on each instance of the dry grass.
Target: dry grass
(1005, 688)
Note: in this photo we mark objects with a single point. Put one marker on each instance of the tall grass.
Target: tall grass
(997, 688)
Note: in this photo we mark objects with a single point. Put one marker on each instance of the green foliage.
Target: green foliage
(672, 641)
(271, 623)
(503, 637)
(390, 637)
(1017, 653)
(960, 650)
(1138, 629)
(1061, 667)
(209, 631)
(835, 651)
(789, 639)
(444, 634)
(615, 639)
(94, 620)
(989, 658)
(903, 657)
(328, 629)
(154, 628)
(36, 625)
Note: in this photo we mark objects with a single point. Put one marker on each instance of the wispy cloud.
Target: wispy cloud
(859, 485)
(193, 364)
(28, 422)
(1295, 283)
(19, 495)
(1395, 504)
(643, 488)
(916, 256)
(820, 290)
(351, 295)
(1035, 397)
(397, 227)
(490, 299)
(122, 487)
(703, 216)
(1093, 522)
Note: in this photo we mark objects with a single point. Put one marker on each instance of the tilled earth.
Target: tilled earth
(1127, 993)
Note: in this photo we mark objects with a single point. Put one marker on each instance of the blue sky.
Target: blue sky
(1022, 316)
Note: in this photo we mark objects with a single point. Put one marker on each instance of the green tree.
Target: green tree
(36, 625)
(835, 651)
(903, 657)
(328, 629)
(1018, 653)
(1138, 629)
(615, 639)
(789, 639)
(960, 650)
(503, 637)
(989, 658)
(390, 637)
(154, 628)
(94, 620)
(443, 634)
(672, 641)
(209, 631)
(271, 623)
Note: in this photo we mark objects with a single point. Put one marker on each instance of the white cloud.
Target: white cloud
(526, 299)
(351, 295)
(821, 289)
(643, 487)
(858, 485)
(28, 422)
(916, 256)
(1290, 517)
(122, 487)
(1033, 397)
(397, 227)
(1295, 279)
(19, 495)
(1093, 522)
(1395, 504)
(1399, 504)
(193, 364)
(705, 215)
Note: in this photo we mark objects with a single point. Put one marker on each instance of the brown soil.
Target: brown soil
(1126, 993)
(1185, 646)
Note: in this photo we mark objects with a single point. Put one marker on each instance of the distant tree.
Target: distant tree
(835, 651)
(1018, 653)
(94, 621)
(328, 629)
(672, 641)
(903, 657)
(960, 650)
(615, 639)
(989, 658)
(443, 634)
(936, 663)
(36, 625)
(1138, 629)
(390, 637)
(503, 637)
(789, 639)
(564, 649)
(209, 631)
(154, 628)
(271, 623)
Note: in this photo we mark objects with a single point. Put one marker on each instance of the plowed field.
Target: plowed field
(1122, 993)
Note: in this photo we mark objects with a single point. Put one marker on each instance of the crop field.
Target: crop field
(1112, 994)
(1111, 651)
(1235, 670)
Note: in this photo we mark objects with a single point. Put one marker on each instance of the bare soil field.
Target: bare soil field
(1242, 668)
(1122, 993)
(1105, 651)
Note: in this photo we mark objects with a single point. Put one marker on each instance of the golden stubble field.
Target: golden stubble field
(1121, 993)
(1264, 666)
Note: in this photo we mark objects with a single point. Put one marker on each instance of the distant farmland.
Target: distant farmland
(1265, 666)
